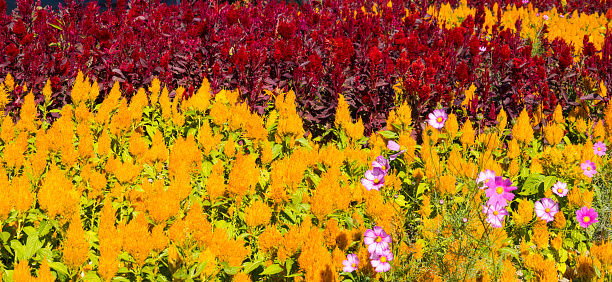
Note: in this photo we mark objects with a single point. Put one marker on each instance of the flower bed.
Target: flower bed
(320, 50)
(201, 188)
(336, 141)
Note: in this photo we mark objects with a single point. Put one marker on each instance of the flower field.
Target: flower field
(334, 141)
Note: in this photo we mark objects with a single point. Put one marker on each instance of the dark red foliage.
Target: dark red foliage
(337, 49)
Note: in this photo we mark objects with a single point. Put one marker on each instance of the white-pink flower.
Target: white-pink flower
(600, 148)
(546, 209)
(377, 240)
(351, 263)
(437, 119)
(380, 262)
(484, 177)
(495, 214)
(560, 189)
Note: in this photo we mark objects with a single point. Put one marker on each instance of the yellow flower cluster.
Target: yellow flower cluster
(569, 27)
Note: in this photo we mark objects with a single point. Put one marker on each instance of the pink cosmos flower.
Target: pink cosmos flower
(437, 119)
(393, 146)
(545, 17)
(374, 179)
(588, 168)
(586, 217)
(351, 263)
(377, 240)
(482, 49)
(495, 214)
(485, 177)
(525, 2)
(499, 191)
(546, 209)
(600, 148)
(381, 163)
(560, 188)
(380, 261)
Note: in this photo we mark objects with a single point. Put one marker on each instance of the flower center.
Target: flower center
(383, 259)
(440, 119)
(547, 210)
(353, 265)
(376, 180)
(560, 191)
(588, 168)
(383, 167)
(586, 219)
(378, 239)
(500, 190)
(495, 212)
(599, 149)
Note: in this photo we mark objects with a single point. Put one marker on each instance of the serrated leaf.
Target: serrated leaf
(549, 181)
(59, 267)
(510, 251)
(303, 142)
(388, 134)
(20, 251)
(91, 276)
(248, 267)
(277, 149)
(272, 269)
(531, 184)
(33, 245)
(562, 255)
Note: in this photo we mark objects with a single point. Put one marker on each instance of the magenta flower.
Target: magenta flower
(546, 209)
(351, 263)
(393, 146)
(380, 261)
(495, 214)
(484, 177)
(437, 119)
(374, 179)
(482, 49)
(560, 188)
(545, 17)
(499, 191)
(381, 163)
(600, 148)
(525, 2)
(588, 168)
(377, 240)
(586, 217)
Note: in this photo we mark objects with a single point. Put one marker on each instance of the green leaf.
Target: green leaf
(597, 271)
(57, 27)
(272, 269)
(20, 251)
(289, 264)
(549, 181)
(531, 184)
(33, 245)
(401, 201)
(421, 188)
(250, 266)
(303, 142)
(231, 270)
(510, 251)
(29, 230)
(44, 228)
(277, 149)
(91, 276)
(59, 267)
(562, 255)
(388, 134)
